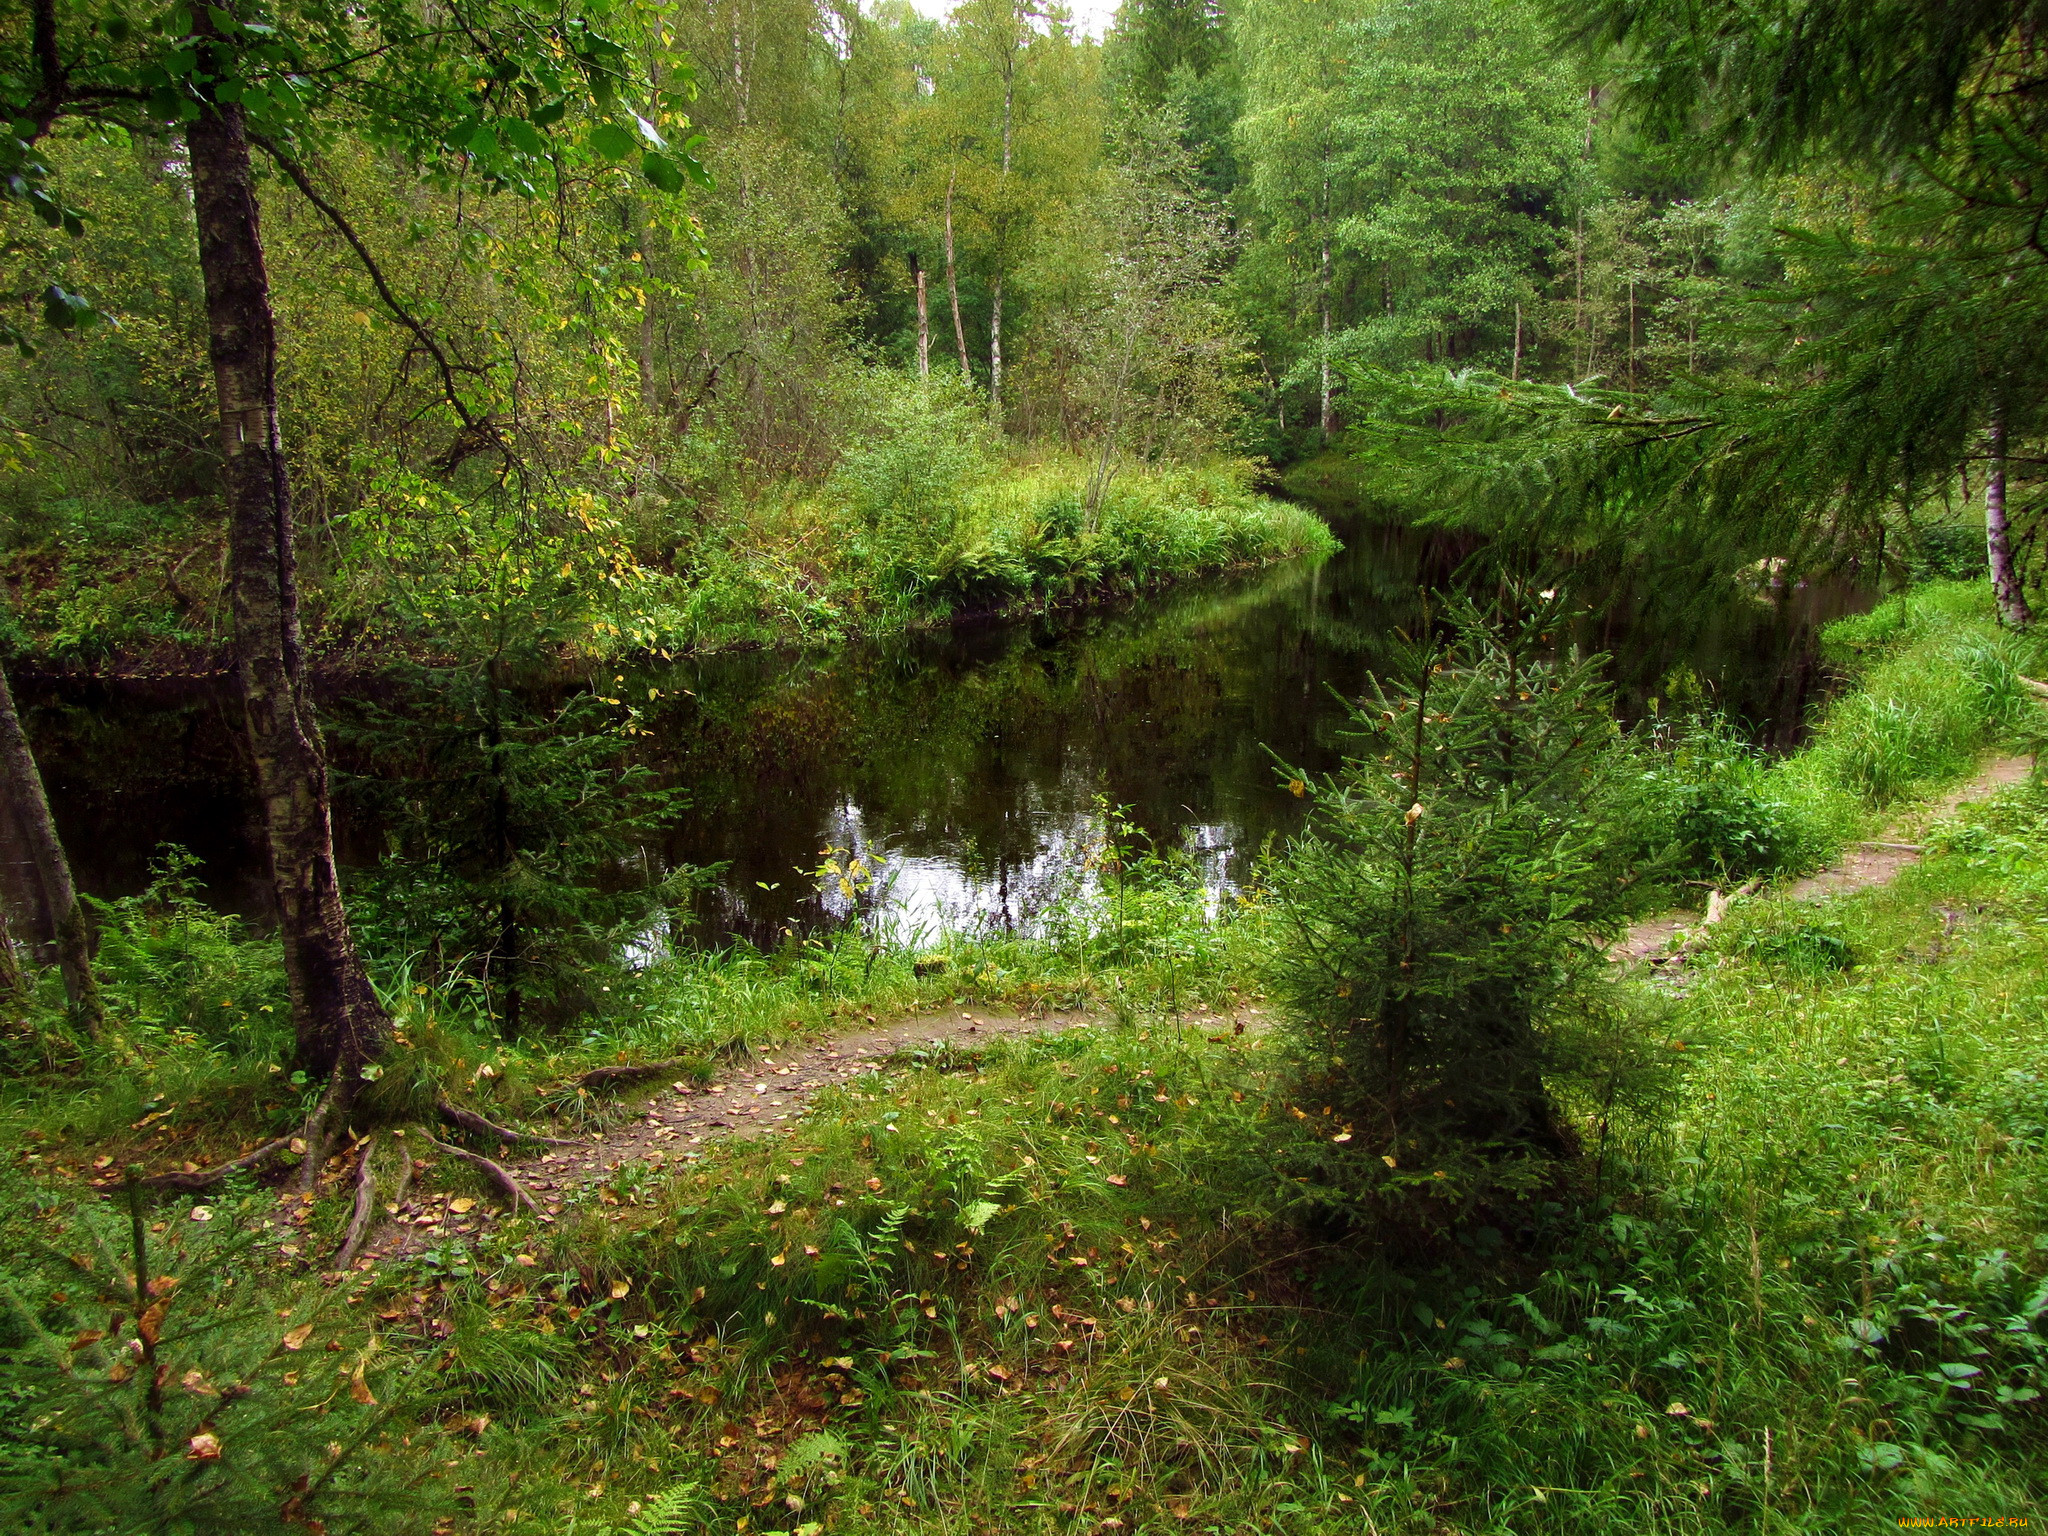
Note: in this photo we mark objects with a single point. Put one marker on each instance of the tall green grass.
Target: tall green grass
(1936, 685)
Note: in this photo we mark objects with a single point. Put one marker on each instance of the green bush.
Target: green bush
(1711, 801)
(1446, 920)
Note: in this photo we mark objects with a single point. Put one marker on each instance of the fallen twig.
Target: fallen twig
(508, 1186)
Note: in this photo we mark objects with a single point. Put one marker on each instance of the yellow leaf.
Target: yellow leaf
(461, 1205)
(296, 1337)
(621, 1288)
(360, 1389)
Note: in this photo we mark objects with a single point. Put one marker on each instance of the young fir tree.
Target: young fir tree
(1449, 910)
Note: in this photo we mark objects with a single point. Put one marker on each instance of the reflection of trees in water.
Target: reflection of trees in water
(972, 757)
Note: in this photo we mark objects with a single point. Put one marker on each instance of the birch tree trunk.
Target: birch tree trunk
(337, 1018)
(924, 322)
(22, 783)
(995, 349)
(953, 289)
(1328, 418)
(2005, 576)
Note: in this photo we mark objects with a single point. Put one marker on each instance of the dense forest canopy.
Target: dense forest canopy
(1227, 231)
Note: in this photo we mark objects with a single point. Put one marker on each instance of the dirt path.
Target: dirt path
(753, 1098)
(1862, 865)
(757, 1097)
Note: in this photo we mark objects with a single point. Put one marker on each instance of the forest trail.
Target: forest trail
(757, 1096)
(1862, 866)
(769, 1091)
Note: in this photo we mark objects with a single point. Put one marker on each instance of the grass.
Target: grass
(1058, 1286)
(911, 531)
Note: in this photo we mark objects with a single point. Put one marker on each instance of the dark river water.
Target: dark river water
(971, 763)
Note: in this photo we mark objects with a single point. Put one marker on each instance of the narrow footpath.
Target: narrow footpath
(763, 1093)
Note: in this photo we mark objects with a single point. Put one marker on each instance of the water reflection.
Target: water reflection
(972, 763)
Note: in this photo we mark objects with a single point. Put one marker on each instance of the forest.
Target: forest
(780, 767)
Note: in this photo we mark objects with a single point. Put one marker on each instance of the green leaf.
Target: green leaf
(522, 136)
(484, 143)
(662, 171)
(611, 141)
(548, 113)
(64, 311)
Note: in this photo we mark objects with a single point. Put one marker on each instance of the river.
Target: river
(969, 764)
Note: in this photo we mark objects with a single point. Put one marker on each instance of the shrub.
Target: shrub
(1710, 800)
(157, 1386)
(1449, 910)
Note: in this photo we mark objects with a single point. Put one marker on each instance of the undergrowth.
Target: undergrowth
(1066, 1283)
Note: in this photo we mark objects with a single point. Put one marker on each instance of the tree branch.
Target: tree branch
(446, 366)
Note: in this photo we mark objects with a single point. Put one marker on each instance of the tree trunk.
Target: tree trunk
(22, 783)
(953, 289)
(1328, 418)
(995, 351)
(2005, 576)
(338, 1020)
(924, 321)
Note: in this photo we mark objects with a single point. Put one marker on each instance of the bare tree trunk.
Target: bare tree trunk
(1515, 368)
(339, 1023)
(22, 783)
(1328, 419)
(2005, 576)
(924, 321)
(995, 317)
(953, 287)
(995, 350)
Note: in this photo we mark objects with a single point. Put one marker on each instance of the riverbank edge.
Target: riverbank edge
(336, 664)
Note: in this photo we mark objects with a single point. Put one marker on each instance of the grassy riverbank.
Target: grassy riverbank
(1058, 1284)
(915, 528)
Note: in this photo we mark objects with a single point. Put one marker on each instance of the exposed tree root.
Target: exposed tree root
(403, 1183)
(316, 1134)
(470, 1120)
(510, 1187)
(608, 1077)
(206, 1178)
(365, 1208)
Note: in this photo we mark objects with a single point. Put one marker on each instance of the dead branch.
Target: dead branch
(470, 1120)
(365, 1207)
(508, 1186)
